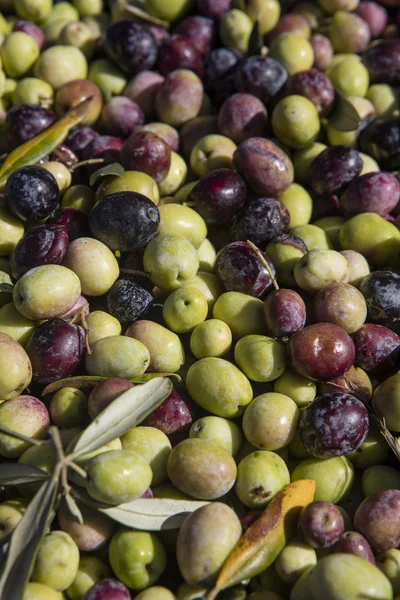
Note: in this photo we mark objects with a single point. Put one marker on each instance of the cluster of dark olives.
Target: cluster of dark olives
(226, 214)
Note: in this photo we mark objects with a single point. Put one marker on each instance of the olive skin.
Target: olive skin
(124, 221)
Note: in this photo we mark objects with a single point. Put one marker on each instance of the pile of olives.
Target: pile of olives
(226, 214)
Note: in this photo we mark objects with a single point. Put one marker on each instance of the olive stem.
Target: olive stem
(86, 328)
(77, 469)
(61, 458)
(20, 436)
(264, 262)
(141, 14)
(90, 161)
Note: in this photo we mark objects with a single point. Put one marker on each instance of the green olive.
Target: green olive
(331, 226)
(108, 77)
(31, 90)
(294, 52)
(349, 77)
(219, 387)
(117, 356)
(209, 286)
(68, 407)
(176, 219)
(314, 237)
(170, 260)
(207, 256)
(60, 64)
(349, 577)
(212, 338)
(261, 358)
(62, 10)
(212, 152)
(261, 475)
(169, 11)
(53, 28)
(334, 477)
(298, 202)
(14, 324)
(270, 421)
(302, 161)
(19, 53)
(166, 351)
(378, 478)
(33, 10)
(94, 264)
(175, 177)
(132, 181)
(294, 560)
(235, 29)
(371, 235)
(80, 197)
(184, 309)
(385, 100)
(152, 445)
(295, 121)
(300, 389)
(243, 314)
(118, 476)
(61, 174)
(266, 12)
(221, 431)
(369, 164)
(100, 325)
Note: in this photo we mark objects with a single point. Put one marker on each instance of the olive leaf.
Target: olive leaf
(25, 541)
(256, 41)
(266, 537)
(125, 412)
(33, 150)
(16, 474)
(147, 514)
(345, 117)
(74, 508)
(90, 381)
(113, 169)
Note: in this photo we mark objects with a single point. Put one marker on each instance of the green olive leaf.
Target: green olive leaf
(345, 117)
(79, 382)
(147, 514)
(74, 508)
(125, 412)
(25, 540)
(113, 169)
(16, 474)
(256, 41)
(43, 144)
(90, 381)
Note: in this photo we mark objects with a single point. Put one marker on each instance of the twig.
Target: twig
(264, 262)
(77, 468)
(86, 328)
(20, 436)
(141, 14)
(57, 443)
(90, 161)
